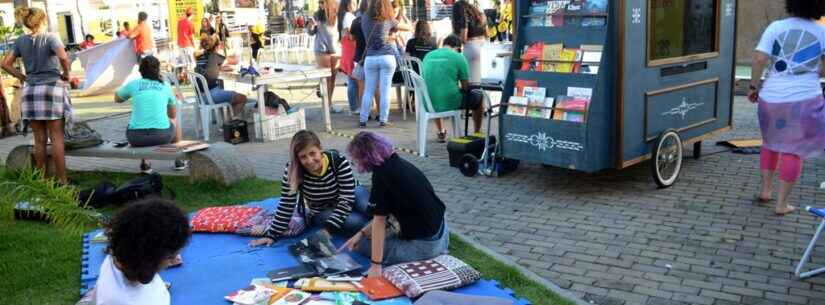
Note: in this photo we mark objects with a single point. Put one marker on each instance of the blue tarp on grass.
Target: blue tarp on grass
(217, 264)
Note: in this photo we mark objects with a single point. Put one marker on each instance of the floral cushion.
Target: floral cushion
(441, 273)
(223, 219)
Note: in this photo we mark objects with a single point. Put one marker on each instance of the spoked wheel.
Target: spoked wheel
(468, 165)
(667, 159)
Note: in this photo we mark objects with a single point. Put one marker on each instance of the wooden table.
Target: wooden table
(291, 75)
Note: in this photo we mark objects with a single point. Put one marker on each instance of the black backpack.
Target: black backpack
(98, 196)
(138, 188)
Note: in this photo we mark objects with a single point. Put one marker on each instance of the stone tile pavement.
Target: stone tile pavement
(611, 237)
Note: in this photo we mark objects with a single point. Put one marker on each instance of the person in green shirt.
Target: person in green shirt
(153, 120)
(446, 74)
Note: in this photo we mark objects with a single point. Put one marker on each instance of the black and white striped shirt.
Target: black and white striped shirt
(335, 189)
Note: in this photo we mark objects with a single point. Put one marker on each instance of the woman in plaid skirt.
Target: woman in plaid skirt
(45, 97)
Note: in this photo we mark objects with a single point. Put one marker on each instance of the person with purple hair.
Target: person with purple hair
(400, 195)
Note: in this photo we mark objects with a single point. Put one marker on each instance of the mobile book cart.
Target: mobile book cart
(660, 76)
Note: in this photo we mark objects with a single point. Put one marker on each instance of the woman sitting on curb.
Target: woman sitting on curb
(400, 193)
(321, 186)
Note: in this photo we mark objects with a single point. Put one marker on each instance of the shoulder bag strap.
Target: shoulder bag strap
(366, 44)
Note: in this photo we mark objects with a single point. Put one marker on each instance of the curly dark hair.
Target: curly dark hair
(145, 234)
(807, 9)
(150, 68)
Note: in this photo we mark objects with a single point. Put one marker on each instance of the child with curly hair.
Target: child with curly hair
(144, 238)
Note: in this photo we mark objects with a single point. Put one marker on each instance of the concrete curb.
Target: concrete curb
(529, 274)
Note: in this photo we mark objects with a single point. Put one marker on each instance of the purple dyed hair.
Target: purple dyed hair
(369, 150)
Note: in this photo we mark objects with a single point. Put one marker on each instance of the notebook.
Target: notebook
(377, 289)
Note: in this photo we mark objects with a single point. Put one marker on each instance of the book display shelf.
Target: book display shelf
(599, 84)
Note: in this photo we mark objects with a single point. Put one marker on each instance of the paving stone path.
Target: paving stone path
(612, 238)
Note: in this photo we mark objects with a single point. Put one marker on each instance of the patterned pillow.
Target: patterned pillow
(223, 219)
(441, 273)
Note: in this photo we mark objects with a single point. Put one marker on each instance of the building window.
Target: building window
(682, 30)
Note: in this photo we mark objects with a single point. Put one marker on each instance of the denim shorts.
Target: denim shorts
(220, 96)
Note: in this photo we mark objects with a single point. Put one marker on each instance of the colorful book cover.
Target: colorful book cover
(535, 100)
(251, 295)
(537, 11)
(521, 84)
(530, 55)
(580, 92)
(555, 12)
(517, 105)
(567, 60)
(550, 56)
(294, 297)
(549, 103)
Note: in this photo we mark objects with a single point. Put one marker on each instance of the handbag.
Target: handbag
(80, 135)
(347, 55)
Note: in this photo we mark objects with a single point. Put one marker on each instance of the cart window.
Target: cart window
(681, 30)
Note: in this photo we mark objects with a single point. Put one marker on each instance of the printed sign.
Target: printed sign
(177, 9)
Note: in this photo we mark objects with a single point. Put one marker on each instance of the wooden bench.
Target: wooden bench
(220, 162)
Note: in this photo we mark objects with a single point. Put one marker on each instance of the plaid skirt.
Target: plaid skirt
(43, 102)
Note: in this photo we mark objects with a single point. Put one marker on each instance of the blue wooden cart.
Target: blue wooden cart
(664, 79)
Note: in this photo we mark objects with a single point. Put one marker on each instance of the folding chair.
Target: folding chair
(819, 212)
(426, 112)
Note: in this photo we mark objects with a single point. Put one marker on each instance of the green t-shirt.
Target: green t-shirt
(149, 102)
(443, 69)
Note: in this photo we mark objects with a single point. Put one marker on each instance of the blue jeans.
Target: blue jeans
(397, 250)
(220, 96)
(378, 72)
(356, 220)
(352, 94)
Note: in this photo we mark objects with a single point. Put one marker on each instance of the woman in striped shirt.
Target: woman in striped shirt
(321, 186)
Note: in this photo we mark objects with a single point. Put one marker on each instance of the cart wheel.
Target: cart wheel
(667, 159)
(697, 150)
(468, 165)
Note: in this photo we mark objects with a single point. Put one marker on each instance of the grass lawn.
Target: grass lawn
(40, 264)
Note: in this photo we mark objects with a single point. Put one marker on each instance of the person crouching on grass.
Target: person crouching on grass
(319, 185)
(400, 193)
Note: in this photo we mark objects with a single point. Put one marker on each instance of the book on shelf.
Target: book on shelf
(568, 61)
(530, 56)
(517, 105)
(535, 100)
(571, 109)
(521, 84)
(537, 12)
(591, 58)
(580, 92)
(555, 12)
(540, 108)
(550, 55)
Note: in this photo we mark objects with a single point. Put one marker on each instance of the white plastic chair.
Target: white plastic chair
(206, 106)
(411, 64)
(180, 104)
(426, 112)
